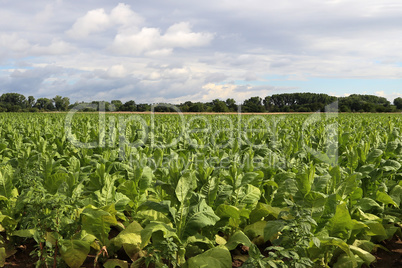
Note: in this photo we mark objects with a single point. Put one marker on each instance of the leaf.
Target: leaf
(218, 257)
(262, 210)
(334, 241)
(317, 202)
(130, 239)
(364, 255)
(341, 222)
(199, 216)
(385, 198)
(305, 180)
(345, 261)
(74, 252)
(272, 228)
(367, 203)
(112, 263)
(146, 179)
(227, 211)
(255, 229)
(26, 233)
(2, 256)
(7, 188)
(391, 165)
(153, 227)
(396, 194)
(97, 222)
(249, 195)
(184, 185)
(375, 228)
(210, 190)
(374, 155)
(236, 239)
(252, 178)
(220, 240)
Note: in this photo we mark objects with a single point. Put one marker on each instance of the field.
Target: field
(158, 190)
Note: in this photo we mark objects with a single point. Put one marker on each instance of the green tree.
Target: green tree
(231, 104)
(398, 103)
(253, 105)
(31, 101)
(117, 104)
(61, 103)
(129, 106)
(44, 104)
(9, 100)
(219, 106)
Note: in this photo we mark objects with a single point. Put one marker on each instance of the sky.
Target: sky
(175, 51)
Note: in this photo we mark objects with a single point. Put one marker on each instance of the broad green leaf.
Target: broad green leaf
(249, 195)
(385, 198)
(391, 165)
(112, 263)
(317, 202)
(2, 256)
(218, 257)
(236, 239)
(183, 188)
(345, 261)
(364, 255)
(199, 216)
(367, 203)
(374, 155)
(255, 229)
(74, 252)
(341, 222)
(305, 179)
(375, 228)
(227, 211)
(333, 241)
(252, 178)
(396, 195)
(129, 236)
(26, 233)
(210, 190)
(154, 227)
(272, 228)
(263, 210)
(97, 222)
(146, 179)
(7, 188)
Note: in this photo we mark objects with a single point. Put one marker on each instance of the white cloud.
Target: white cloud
(97, 20)
(57, 47)
(152, 42)
(94, 21)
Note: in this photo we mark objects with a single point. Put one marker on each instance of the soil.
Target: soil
(390, 258)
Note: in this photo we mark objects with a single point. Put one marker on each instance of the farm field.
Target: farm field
(158, 190)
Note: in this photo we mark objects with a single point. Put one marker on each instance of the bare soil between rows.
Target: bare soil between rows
(390, 258)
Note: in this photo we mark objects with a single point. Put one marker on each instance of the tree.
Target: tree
(117, 104)
(129, 106)
(267, 103)
(31, 101)
(398, 103)
(44, 104)
(231, 104)
(219, 106)
(13, 99)
(253, 104)
(61, 103)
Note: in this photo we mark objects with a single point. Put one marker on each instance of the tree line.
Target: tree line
(287, 102)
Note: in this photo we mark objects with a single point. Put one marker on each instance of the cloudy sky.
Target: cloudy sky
(172, 50)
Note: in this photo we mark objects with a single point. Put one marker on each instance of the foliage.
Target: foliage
(272, 191)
